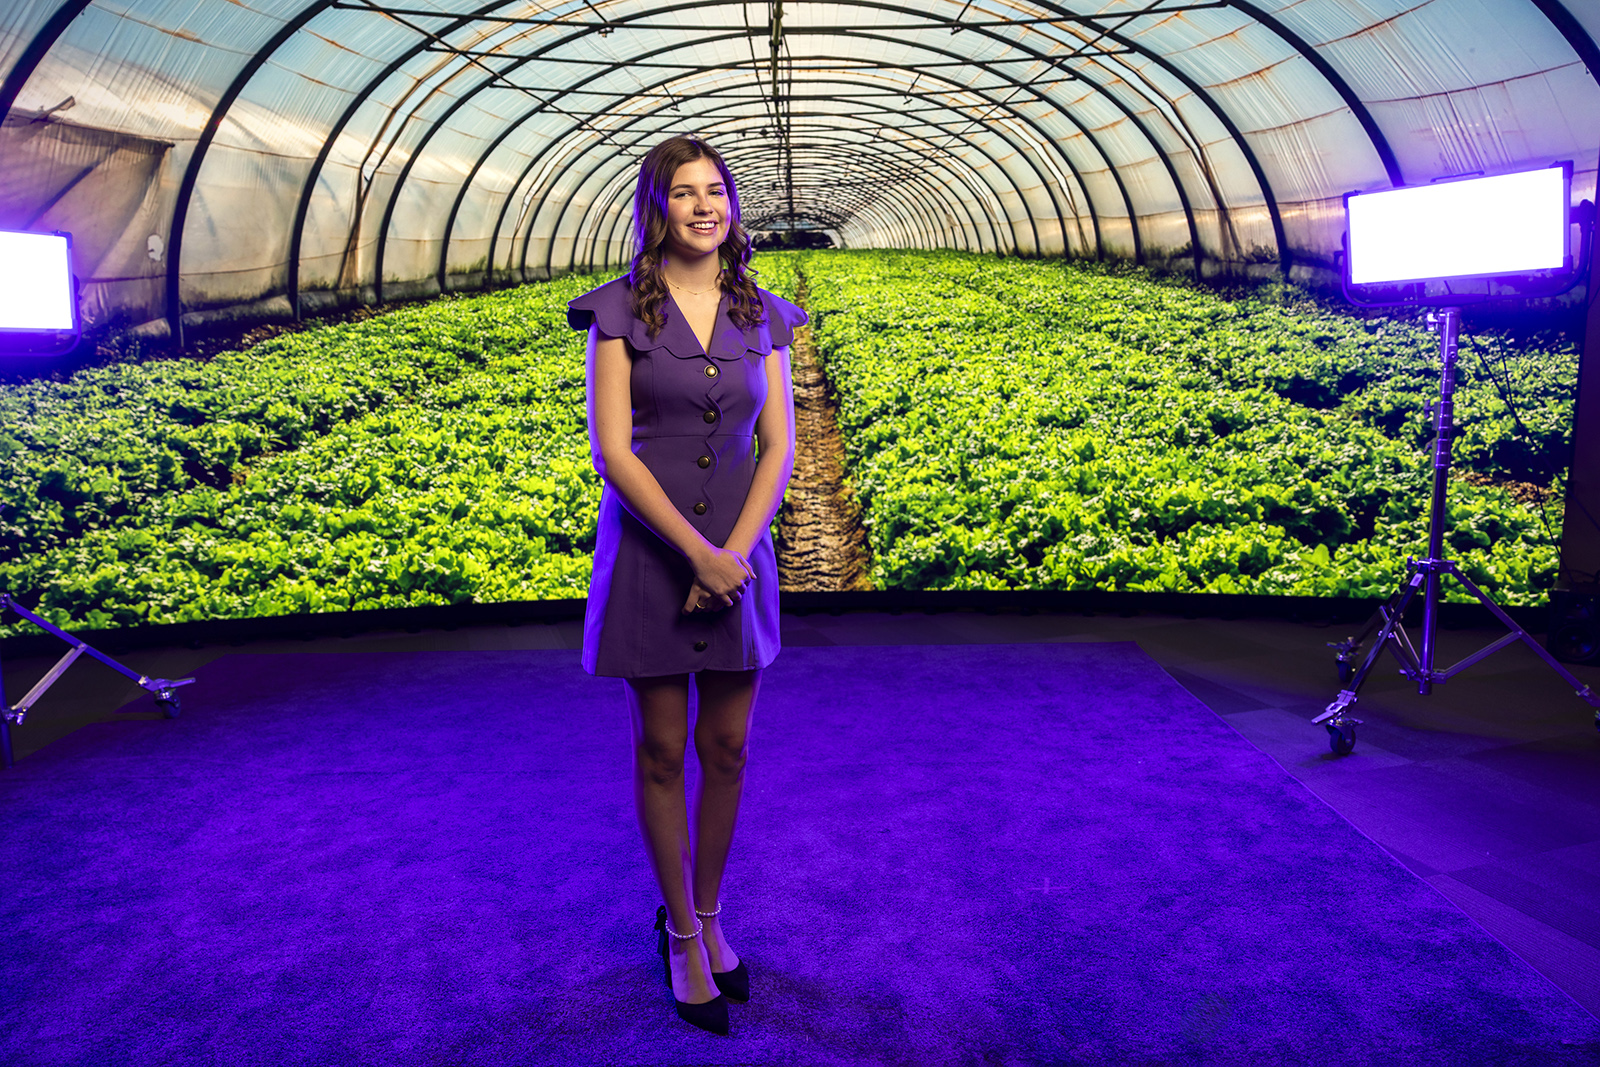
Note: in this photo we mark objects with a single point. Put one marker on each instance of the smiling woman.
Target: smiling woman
(688, 372)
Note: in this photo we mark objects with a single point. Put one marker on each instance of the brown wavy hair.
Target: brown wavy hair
(656, 171)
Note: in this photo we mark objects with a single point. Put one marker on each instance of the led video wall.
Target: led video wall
(1000, 424)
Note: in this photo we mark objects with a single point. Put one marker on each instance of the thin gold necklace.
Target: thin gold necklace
(693, 292)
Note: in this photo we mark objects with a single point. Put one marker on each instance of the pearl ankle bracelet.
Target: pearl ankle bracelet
(698, 926)
(711, 914)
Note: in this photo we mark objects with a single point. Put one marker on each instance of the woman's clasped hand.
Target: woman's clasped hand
(720, 580)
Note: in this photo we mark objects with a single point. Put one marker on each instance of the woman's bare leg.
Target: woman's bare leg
(722, 743)
(659, 711)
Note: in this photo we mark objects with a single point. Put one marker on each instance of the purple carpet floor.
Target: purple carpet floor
(976, 854)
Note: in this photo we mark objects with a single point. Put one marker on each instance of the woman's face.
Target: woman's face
(697, 209)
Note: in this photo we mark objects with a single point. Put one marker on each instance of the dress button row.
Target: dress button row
(704, 461)
(711, 370)
(710, 416)
(699, 646)
(700, 507)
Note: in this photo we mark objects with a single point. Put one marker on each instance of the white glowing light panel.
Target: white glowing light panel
(35, 282)
(1508, 224)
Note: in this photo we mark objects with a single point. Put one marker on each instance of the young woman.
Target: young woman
(688, 375)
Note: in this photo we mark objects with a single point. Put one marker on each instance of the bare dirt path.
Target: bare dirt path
(821, 544)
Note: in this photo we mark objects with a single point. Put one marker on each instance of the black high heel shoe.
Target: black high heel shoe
(713, 1014)
(734, 984)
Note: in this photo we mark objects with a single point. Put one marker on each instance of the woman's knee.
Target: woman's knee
(660, 712)
(722, 733)
(723, 752)
(660, 758)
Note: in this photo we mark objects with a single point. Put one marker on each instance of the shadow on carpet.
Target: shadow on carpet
(975, 854)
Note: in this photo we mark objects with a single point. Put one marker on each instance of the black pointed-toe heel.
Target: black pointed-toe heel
(735, 984)
(713, 1014)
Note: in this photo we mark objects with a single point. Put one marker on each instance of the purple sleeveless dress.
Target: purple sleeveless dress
(694, 418)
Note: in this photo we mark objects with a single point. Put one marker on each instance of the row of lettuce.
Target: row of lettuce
(1015, 424)
(1008, 424)
(436, 454)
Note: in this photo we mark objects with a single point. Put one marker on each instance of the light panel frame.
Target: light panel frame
(1508, 227)
(36, 282)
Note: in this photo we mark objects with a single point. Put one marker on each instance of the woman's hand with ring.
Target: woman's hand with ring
(721, 577)
(702, 599)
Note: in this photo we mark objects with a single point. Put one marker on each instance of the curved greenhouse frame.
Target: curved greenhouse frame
(214, 159)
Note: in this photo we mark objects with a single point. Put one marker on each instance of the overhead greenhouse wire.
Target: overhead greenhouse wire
(441, 45)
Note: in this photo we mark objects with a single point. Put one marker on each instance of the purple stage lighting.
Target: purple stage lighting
(38, 304)
(1507, 225)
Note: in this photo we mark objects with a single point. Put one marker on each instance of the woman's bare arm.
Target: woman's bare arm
(775, 434)
(609, 370)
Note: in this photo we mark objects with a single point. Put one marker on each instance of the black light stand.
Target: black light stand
(1425, 577)
(163, 688)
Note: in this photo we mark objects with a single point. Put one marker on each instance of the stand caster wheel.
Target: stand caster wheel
(167, 703)
(1342, 739)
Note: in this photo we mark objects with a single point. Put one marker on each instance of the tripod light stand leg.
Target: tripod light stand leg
(165, 689)
(1341, 725)
(1346, 653)
(1584, 692)
(1430, 624)
(1391, 615)
(5, 720)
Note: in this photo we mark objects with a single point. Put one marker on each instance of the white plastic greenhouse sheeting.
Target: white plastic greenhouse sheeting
(432, 141)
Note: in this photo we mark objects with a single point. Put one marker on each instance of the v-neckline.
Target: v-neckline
(716, 320)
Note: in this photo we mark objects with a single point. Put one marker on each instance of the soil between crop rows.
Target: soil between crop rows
(821, 543)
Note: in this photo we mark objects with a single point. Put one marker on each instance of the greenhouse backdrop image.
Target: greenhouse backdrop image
(1004, 424)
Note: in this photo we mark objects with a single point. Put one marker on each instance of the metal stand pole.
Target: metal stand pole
(1425, 576)
(163, 688)
(5, 725)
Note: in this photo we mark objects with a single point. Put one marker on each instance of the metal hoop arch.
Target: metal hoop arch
(511, 193)
(610, 201)
(522, 268)
(550, 265)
